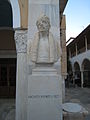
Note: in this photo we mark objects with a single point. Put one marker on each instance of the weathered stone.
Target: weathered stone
(21, 41)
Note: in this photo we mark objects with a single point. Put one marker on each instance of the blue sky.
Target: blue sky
(77, 16)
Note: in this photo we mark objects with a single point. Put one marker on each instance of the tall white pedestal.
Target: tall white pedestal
(44, 95)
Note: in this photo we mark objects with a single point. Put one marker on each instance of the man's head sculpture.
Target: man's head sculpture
(43, 23)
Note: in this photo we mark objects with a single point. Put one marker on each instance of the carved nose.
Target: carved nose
(41, 25)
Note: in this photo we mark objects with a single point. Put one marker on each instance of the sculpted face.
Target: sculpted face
(43, 24)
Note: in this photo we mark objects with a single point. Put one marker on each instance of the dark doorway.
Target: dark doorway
(86, 72)
(77, 74)
(7, 77)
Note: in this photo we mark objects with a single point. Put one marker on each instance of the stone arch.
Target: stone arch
(86, 65)
(7, 50)
(77, 74)
(86, 72)
(16, 13)
(23, 5)
(6, 15)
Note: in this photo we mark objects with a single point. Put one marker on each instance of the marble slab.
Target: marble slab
(44, 97)
(48, 7)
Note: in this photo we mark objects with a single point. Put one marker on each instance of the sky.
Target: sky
(77, 16)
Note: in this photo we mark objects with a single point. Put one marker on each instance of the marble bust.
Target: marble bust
(44, 49)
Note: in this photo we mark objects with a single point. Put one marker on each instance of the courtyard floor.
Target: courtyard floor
(76, 95)
(80, 96)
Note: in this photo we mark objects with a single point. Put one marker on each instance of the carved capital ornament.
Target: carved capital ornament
(21, 41)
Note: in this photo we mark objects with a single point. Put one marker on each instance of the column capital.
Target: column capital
(21, 41)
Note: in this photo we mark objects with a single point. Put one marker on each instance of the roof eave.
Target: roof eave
(62, 5)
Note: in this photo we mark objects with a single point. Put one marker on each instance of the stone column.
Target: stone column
(64, 54)
(69, 53)
(76, 49)
(74, 77)
(86, 43)
(21, 82)
(82, 79)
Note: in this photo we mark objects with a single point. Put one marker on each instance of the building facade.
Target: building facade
(79, 55)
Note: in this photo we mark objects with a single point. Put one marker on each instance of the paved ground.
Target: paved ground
(76, 95)
(81, 96)
(7, 109)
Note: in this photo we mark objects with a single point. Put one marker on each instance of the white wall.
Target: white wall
(80, 58)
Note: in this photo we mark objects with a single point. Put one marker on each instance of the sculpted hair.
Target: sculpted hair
(43, 18)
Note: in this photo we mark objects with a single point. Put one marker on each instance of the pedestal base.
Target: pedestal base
(44, 97)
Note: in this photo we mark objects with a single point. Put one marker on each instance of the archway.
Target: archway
(86, 72)
(16, 13)
(6, 19)
(7, 51)
(77, 74)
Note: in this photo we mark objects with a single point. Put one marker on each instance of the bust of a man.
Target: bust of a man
(44, 49)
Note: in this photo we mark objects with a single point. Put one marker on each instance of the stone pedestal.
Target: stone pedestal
(44, 95)
(39, 90)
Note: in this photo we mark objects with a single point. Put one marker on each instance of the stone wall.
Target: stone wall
(63, 46)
